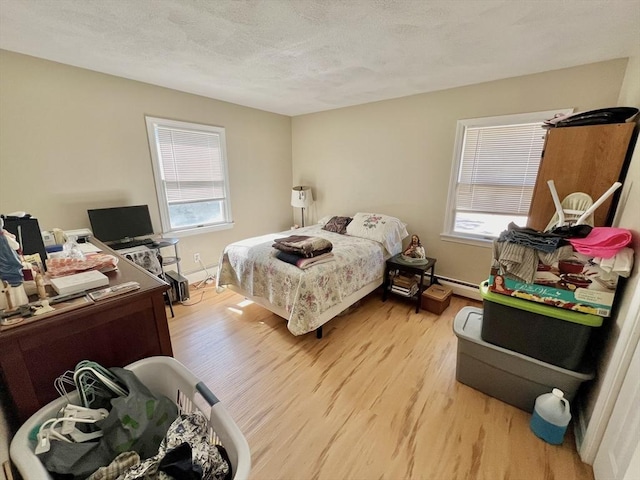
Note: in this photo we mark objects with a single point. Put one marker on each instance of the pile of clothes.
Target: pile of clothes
(122, 431)
(303, 251)
(518, 251)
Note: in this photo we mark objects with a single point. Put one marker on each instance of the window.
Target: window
(190, 170)
(495, 165)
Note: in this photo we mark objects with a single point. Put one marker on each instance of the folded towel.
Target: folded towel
(602, 242)
(620, 264)
(302, 262)
(303, 245)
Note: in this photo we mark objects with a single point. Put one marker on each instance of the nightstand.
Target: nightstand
(397, 265)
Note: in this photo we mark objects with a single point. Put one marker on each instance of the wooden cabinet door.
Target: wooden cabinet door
(580, 159)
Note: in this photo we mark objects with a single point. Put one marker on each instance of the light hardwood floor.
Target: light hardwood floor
(376, 398)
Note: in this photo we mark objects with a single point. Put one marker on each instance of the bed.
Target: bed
(309, 298)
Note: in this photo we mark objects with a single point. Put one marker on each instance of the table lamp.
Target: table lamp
(301, 197)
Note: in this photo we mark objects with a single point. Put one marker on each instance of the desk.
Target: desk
(396, 263)
(113, 332)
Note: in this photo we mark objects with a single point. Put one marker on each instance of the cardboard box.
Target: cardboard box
(436, 299)
(575, 284)
(79, 282)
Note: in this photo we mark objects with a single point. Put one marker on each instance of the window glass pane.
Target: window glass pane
(184, 215)
(485, 224)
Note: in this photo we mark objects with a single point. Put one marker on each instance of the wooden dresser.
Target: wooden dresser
(113, 332)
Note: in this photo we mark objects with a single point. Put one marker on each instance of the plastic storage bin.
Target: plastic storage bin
(548, 333)
(436, 299)
(163, 376)
(509, 376)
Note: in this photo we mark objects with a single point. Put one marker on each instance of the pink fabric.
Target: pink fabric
(602, 242)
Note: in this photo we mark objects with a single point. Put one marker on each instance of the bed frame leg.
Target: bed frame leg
(319, 332)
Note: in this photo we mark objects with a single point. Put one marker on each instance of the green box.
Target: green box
(549, 289)
(544, 332)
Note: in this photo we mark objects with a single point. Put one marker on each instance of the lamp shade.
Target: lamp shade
(301, 197)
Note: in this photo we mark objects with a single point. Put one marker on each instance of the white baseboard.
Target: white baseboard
(461, 288)
(200, 275)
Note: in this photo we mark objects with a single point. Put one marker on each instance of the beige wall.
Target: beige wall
(73, 139)
(395, 156)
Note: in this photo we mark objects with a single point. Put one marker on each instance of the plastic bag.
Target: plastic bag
(136, 422)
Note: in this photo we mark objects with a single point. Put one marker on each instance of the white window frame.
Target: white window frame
(163, 204)
(503, 120)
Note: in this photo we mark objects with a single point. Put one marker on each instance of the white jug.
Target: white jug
(551, 416)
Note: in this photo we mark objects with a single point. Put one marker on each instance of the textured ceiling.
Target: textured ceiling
(300, 56)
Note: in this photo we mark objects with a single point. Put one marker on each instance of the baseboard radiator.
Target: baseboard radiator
(461, 288)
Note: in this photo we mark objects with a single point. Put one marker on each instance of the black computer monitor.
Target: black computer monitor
(28, 235)
(120, 223)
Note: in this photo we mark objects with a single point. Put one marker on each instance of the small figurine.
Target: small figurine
(42, 292)
(415, 248)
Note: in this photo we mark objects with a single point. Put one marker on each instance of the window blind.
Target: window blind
(498, 170)
(191, 165)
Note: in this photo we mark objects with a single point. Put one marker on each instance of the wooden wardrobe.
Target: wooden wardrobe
(585, 159)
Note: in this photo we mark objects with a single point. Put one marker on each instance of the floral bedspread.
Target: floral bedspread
(304, 294)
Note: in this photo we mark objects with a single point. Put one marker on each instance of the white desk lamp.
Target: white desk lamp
(301, 197)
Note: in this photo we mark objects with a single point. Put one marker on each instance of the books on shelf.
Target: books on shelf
(407, 292)
(405, 284)
(406, 281)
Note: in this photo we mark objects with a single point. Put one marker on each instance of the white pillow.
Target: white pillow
(389, 231)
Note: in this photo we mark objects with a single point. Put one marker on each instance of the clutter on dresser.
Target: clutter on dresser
(37, 281)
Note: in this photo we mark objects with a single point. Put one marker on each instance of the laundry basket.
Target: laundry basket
(163, 376)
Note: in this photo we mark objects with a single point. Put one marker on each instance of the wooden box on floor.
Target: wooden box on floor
(436, 299)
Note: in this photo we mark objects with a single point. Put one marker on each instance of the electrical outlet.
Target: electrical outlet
(196, 258)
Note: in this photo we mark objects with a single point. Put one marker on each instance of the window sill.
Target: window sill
(486, 242)
(198, 230)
